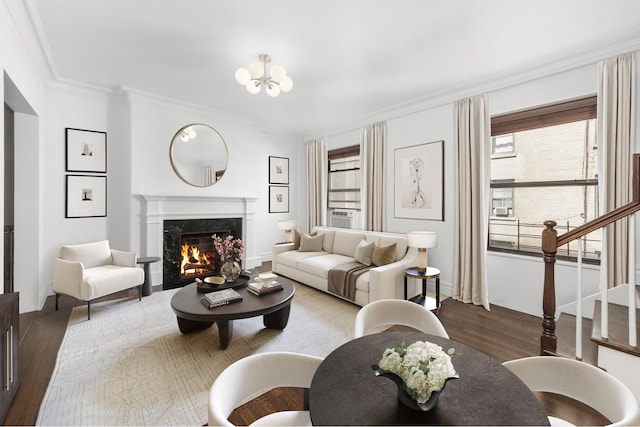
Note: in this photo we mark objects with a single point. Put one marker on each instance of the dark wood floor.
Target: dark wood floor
(504, 334)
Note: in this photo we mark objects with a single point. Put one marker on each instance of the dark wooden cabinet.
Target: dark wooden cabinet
(9, 350)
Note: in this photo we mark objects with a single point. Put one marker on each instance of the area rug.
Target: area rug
(130, 365)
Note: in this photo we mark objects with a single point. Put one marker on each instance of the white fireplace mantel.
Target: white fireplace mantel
(155, 209)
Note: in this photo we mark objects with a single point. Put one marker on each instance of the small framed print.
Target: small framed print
(86, 196)
(86, 150)
(278, 198)
(278, 170)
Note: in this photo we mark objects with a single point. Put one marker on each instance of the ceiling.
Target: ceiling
(349, 60)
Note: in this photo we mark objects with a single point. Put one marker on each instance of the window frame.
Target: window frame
(341, 153)
(563, 112)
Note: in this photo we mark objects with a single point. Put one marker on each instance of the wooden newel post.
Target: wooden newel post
(548, 340)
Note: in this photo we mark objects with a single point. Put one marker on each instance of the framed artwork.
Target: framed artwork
(86, 196)
(278, 170)
(86, 150)
(278, 198)
(419, 181)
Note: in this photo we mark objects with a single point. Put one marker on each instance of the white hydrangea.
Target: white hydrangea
(423, 366)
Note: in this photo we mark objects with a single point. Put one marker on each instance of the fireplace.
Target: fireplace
(189, 252)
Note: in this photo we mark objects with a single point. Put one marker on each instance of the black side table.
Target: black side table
(431, 273)
(146, 285)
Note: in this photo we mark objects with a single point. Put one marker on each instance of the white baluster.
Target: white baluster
(579, 303)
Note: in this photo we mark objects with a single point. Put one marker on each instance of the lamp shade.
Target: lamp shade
(422, 239)
(287, 224)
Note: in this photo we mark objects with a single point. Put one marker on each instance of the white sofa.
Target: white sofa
(90, 271)
(338, 248)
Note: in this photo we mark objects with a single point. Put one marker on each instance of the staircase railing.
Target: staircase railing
(550, 244)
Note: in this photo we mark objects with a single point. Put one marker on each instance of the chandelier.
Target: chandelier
(255, 76)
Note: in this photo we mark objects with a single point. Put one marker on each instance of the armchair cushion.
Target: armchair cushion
(89, 254)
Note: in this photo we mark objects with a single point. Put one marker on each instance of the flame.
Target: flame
(193, 260)
(184, 252)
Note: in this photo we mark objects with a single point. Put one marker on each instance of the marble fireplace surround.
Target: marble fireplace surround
(155, 209)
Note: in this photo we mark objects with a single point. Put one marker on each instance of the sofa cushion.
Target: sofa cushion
(320, 265)
(291, 258)
(310, 243)
(90, 255)
(364, 250)
(346, 242)
(383, 254)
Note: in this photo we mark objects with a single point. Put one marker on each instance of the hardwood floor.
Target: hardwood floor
(502, 333)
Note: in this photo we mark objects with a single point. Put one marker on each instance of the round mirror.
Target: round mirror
(199, 155)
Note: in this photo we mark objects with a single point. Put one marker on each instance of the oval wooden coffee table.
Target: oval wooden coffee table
(193, 315)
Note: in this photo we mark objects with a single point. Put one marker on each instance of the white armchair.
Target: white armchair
(93, 270)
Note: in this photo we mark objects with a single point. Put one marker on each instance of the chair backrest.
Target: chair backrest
(89, 254)
(254, 375)
(580, 381)
(398, 312)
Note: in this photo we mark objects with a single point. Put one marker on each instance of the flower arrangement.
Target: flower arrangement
(229, 248)
(424, 367)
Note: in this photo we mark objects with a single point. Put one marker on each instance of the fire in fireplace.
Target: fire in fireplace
(198, 255)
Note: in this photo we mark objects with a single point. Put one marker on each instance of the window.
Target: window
(344, 178)
(544, 166)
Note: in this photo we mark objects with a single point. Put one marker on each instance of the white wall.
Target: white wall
(24, 91)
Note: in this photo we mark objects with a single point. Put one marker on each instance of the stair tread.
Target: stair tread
(618, 328)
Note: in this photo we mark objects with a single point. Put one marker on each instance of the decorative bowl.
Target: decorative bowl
(214, 280)
(406, 400)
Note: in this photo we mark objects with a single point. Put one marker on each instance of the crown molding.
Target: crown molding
(26, 20)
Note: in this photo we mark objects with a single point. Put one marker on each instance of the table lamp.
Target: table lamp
(422, 240)
(287, 225)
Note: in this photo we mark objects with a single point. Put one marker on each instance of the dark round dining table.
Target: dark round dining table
(346, 391)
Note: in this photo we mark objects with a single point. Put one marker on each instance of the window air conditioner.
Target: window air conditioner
(343, 218)
(501, 211)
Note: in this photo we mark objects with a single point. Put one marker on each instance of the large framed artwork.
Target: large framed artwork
(86, 150)
(419, 181)
(278, 170)
(86, 196)
(278, 198)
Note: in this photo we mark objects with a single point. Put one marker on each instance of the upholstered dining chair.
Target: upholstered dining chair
(580, 381)
(254, 375)
(389, 312)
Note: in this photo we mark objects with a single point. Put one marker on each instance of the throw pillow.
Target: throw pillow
(364, 250)
(296, 238)
(310, 243)
(383, 254)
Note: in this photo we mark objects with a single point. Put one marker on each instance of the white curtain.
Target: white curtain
(316, 183)
(616, 137)
(372, 143)
(472, 146)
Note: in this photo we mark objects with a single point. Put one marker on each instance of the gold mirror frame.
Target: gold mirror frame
(199, 155)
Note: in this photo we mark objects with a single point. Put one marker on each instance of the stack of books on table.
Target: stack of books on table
(218, 298)
(264, 284)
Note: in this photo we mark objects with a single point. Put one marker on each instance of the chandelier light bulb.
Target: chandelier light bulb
(286, 84)
(253, 87)
(256, 75)
(273, 90)
(242, 76)
(278, 73)
(256, 69)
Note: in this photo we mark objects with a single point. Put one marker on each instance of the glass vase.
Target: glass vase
(230, 270)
